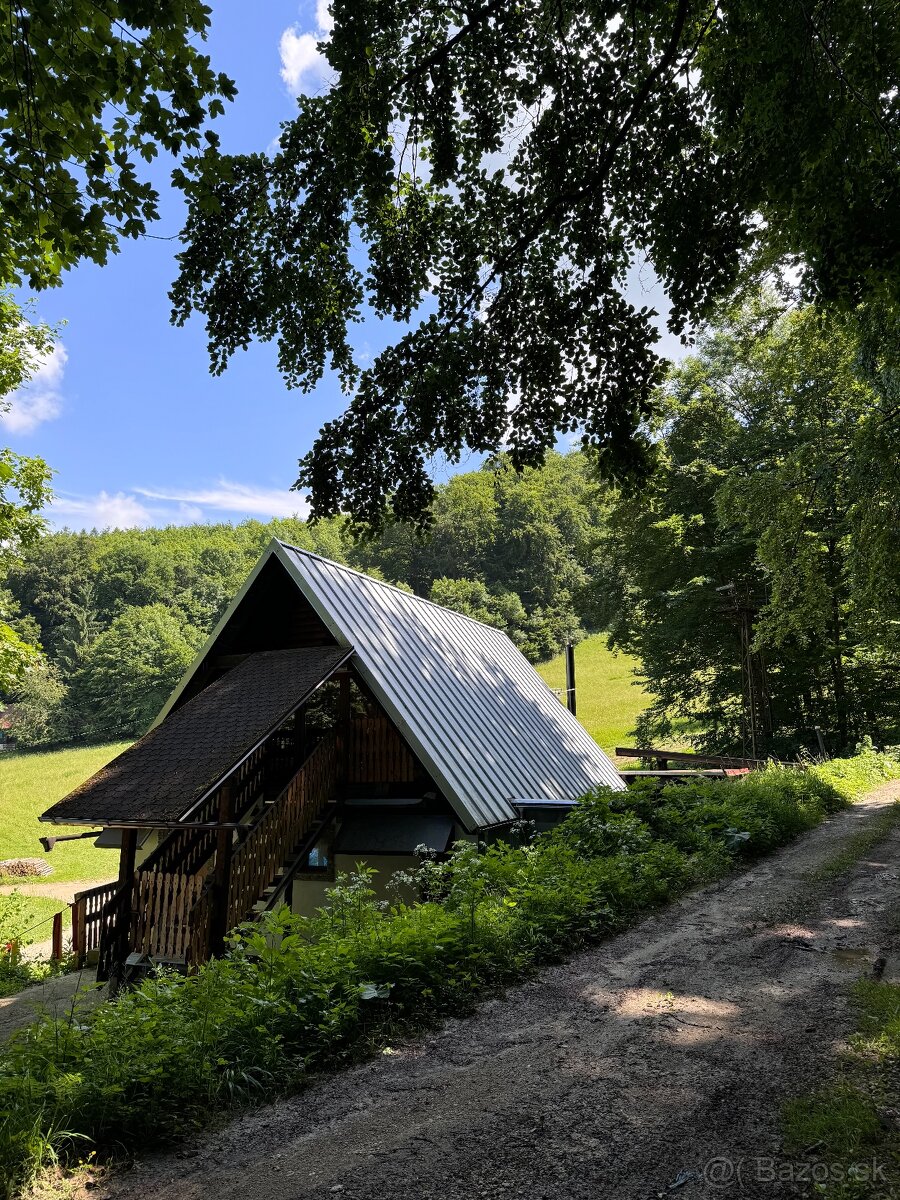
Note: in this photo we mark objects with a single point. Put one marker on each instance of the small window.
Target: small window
(317, 859)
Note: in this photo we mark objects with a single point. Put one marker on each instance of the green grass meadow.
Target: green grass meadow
(29, 784)
(609, 695)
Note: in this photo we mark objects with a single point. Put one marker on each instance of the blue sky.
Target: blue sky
(126, 411)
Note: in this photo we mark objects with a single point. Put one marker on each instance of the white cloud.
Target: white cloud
(303, 67)
(324, 19)
(233, 498)
(40, 399)
(142, 507)
(102, 511)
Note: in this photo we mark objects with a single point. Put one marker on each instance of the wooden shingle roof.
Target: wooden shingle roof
(165, 774)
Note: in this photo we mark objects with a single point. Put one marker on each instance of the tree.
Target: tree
(531, 533)
(132, 668)
(756, 511)
(16, 658)
(504, 167)
(89, 90)
(24, 481)
(42, 715)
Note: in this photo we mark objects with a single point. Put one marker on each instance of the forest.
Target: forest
(755, 540)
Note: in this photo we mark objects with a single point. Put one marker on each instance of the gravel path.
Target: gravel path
(53, 891)
(652, 1065)
(56, 996)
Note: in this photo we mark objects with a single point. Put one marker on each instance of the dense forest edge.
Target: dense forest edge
(755, 562)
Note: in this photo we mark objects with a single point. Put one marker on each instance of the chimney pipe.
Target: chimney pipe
(570, 678)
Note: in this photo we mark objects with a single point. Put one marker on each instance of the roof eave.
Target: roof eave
(135, 823)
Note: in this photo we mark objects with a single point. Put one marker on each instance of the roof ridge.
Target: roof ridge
(394, 588)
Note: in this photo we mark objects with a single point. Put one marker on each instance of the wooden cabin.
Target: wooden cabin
(330, 719)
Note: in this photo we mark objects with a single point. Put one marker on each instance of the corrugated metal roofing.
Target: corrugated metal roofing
(480, 718)
(162, 776)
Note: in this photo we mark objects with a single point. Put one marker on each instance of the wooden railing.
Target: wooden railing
(169, 911)
(88, 919)
(257, 861)
(164, 907)
(186, 849)
(377, 753)
(199, 928)
(115, 932)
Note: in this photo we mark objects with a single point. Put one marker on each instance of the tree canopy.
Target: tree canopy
(762, 503)
(89, 90)
(516, 550)
(486, 176)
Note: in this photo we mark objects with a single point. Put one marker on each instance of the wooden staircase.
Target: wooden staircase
(199, 882)
(182, 898)
(277, 889)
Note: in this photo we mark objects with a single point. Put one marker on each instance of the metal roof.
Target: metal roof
(174, 766)
(478, 716)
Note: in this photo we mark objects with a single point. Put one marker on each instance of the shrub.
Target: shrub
(296, 994)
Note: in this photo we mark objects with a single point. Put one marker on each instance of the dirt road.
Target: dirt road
(652, 1065)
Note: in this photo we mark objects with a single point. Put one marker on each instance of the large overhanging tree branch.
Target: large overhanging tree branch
(90, 89)
(487, 175)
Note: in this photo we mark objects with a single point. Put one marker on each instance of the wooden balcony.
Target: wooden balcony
(208, 877)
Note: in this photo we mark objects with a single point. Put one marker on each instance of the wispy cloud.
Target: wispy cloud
(141, 507)
(304, 68)
(229, 497)
(40, 399)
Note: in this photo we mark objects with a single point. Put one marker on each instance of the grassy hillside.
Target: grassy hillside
(29, 784)
(610, 698)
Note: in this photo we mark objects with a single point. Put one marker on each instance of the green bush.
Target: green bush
(295, 995)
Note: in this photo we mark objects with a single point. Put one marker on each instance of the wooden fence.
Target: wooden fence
(164, 908)
(90, 919)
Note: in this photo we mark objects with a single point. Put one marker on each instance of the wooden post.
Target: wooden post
(127, 855)
(222, 870)
(123, 934)
(344, 729)
(56, 952)
(77, 908)
(570, 678)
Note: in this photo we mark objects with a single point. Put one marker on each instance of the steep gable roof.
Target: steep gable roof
(180, 761)
(475, 712)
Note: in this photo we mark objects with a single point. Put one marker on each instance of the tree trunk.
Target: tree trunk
(838, 678)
